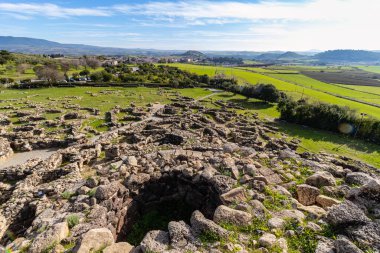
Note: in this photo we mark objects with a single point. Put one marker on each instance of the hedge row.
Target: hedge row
(331, 118)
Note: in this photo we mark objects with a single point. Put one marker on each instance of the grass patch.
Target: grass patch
(275, 201)
(72, 220)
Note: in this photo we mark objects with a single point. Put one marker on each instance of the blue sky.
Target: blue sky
(256, 25)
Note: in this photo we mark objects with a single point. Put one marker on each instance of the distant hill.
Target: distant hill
(348, 56)
(274, 57)
(267, 57)
(193, 54)
(40, 46)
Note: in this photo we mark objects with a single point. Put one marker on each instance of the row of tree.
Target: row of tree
(331, 118)
(266, 92)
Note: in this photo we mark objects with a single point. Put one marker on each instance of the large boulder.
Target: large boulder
(343, 245)
(119, 247)
(367, 196)
(224, 214)
(180, 234)
(307, 194)
(46, 239)
(267, 240)
(326, 202)
(321, 178)
(94, 240)
(325, 245)
(235, 196)
(104, 192)
(367, 234)
(346, 214)
(200, 224)
(155, 241)
(358, 178)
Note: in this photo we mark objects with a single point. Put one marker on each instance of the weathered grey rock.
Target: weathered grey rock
(223, 183)
(314, 212)
(307, 194)
(325, 245)
(321, 178)
(232, 216)
(3, 225)
(46, 239)
(94, 240)
(120, 247)
(155, 241)
(314, 227)
(235, 195)
(267, 240)
(200, 224)
(230, 147)
(104, 192)
(358, 178)
(367, 234)
(180, 234)
(367, 196)
(346, 214)
(276, 222)
(343, 245)
(326, 202)
(290, 214)
(131, 160)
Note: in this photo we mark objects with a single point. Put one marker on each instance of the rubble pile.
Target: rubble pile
(189, 179)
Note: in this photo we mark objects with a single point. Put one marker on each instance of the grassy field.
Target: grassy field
(369, 89)
(345, 91)
(295, 90)
(10, 71)
(106, 98)
(311, 139)
(373, 69)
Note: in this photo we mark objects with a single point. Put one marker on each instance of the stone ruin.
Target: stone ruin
(167, 182)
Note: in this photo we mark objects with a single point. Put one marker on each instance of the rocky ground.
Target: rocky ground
(189, 179)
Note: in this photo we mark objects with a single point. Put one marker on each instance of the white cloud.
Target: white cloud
(324, 24)
(263, 25)
(266, 10)
(50, 10)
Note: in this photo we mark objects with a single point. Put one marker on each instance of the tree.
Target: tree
(92, 62)
(48, 73)
(101, 76)
(5, 56)
(268, 92)
(84, 72)
(21, 68)
(65, 66)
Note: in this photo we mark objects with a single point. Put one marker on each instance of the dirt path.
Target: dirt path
(21, 158)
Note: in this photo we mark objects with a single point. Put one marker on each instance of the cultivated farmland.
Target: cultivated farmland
(296, 90)
(352, 77)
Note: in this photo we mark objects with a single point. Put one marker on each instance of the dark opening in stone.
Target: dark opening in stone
(169, 198)
(22, 222)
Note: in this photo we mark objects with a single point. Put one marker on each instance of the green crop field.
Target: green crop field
(368, 89)
(292, 89)
(373, 69)
(308, 82)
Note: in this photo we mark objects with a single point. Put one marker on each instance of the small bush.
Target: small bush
(72, 220)
(209, 237)
(67, 194)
